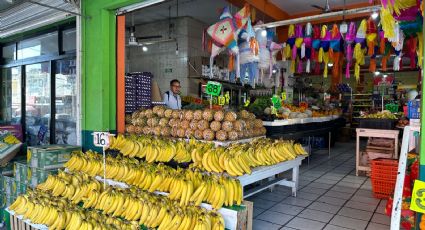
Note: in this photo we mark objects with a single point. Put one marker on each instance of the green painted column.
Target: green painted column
(98, 70)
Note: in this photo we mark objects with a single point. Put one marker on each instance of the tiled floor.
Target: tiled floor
(330, 197)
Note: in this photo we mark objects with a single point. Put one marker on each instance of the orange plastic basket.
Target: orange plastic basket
(383, 177)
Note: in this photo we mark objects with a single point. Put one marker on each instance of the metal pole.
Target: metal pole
(368, 9)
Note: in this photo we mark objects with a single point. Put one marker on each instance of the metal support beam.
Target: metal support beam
(59, 9)
(369, 9)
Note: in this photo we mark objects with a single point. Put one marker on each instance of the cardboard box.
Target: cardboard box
(50, 156)
(8, 185)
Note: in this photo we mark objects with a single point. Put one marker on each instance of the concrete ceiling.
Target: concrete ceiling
(301, 6)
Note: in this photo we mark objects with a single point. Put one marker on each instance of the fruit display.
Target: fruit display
(121, 208)
(236, 160)
(188, 123)
(11, 140)
(187, 186)
(380, 115)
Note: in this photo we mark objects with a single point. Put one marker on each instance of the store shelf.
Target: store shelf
(362, 105)
(354, 100)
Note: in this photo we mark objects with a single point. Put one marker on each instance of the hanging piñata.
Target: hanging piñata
(371, 40)
(349, 40)
(359, 48)
(316, 47)
(249, 54)
(298, 47)
(308, 46)
(325, 36)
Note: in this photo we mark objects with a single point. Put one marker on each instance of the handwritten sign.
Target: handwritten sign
(277, 101)
(418, 197)
(101, 139)
(213, 88)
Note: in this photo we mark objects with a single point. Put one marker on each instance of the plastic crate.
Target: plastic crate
(383, 177)
(374, 123)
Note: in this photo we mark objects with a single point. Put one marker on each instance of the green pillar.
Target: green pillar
(98, 69)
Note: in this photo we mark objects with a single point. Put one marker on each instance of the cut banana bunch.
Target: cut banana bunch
(41, 208)
(236, 160)
(182, 184)
(11, 140)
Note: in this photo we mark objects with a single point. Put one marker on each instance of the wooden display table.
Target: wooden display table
(381, 133)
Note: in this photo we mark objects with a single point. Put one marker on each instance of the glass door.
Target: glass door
(10, 96)
(38, 101)
(66, 102)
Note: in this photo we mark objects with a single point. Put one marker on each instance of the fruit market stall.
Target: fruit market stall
(9, 146)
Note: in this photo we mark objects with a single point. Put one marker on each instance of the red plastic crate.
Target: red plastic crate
(383, 177)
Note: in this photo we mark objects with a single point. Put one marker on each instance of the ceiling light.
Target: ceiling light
(145, 48)
(374, 15)
(377, 73)
(330, 64)
(385, 75)
(274, 71)
(264, 33)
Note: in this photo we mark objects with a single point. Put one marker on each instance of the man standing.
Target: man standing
(171, 97)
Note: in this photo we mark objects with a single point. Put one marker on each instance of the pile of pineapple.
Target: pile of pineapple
(204, 124)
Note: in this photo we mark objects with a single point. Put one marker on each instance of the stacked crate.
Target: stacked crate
(138, 91)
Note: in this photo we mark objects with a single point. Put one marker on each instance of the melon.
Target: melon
(189, 133)
(148, 113)
(221, 135)
(208, 115)
(157, 131)
(208, 135)
(199, 134)
(258, 123)
(227, 126)
(176, 114)
(181, 132)
(163, 122)
(168, 113)
(184, 124)
(238, 125)
(130, 128)
(146, 130)
(197, 115)
(193, 125)
(215, 126)
(230, 116)
(188, 115)
(203, 125)
(219, 115)
(233, 135)
(165, 132)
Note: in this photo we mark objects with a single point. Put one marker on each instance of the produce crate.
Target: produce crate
(375, 123)
(20, 172)
(18, 224)
(39, 175)
(50, 156)
(8, 185)
(383, 177)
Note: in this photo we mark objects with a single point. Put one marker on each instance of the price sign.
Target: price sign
(227, 97)
(284, 95)
(213, 88)
(221, 100)
(274, 110)
(247, 102)
(101, 139)
(277, 101)
(417, 203)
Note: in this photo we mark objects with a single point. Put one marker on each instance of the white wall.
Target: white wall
(162, 56)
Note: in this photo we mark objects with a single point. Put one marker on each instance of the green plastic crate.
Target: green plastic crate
(20, 172)
(39, 175)
(50, 156)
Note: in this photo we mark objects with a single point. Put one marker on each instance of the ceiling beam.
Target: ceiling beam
(264, 6)
(336, 18)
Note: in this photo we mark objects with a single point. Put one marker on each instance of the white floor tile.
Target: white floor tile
(296, 201)
(320, 185)
(355, 213)
(366, 200)
(324, 207)
(264, 204)
(308, 196)
(340, 195)
(287, 209)
(304, 224)
(381, 219)
(314, 190)
(275, 217)
(312, 214)
(360, 206)
(375, 226)
(333, 227)
(332, 200)
(258, 211)
(264, 225)
(347, 222)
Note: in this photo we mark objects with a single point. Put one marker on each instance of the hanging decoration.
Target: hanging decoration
(336, 47)
(349, 40)
(290, 44)
(249, 54)
(298, 47)
(316, 47)
(224, 35)
(325, 35)
(371, 41)
(308, 46)
(359, 48)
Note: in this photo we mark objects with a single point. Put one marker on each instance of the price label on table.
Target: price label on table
(247, 102)
(101, 139)
(284, 95)
(393, 108)
(213, 88)
(227, 96)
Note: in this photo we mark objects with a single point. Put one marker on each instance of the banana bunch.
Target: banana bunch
(11, 140)
(239, 159)
(155, 149)
(41, 208)
(182, 184)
